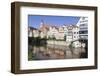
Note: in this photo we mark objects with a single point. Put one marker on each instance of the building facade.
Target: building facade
(33, 32)
(83, 25)
(53, 32)
(72, 35)
(71, 32)
(68, 33)
(43, 30)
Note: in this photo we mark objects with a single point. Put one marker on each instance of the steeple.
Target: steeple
(42, 23)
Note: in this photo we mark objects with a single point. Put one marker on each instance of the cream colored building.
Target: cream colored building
(33, 32)
(53, 32)
(30, 33)
(61, 33)
(56, 32)
(43, 30)
(69, 33)
(36, 33)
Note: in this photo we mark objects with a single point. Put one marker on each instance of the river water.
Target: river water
(55, 52)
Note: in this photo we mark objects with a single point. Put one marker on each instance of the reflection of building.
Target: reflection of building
(83, 24)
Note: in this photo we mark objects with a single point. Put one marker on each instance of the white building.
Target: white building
(72, 35)
(76, 37)
(30, 33)
(69, 36)
(33, 32)
(83, 25)
(75, 33)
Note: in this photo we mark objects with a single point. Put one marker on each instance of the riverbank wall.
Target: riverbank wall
(54, 42)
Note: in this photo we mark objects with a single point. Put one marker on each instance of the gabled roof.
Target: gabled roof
(32, 28)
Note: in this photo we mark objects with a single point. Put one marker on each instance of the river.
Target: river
(55, 52)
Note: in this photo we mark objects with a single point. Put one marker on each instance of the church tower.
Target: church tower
(42, 23)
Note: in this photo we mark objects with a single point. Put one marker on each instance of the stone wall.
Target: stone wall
(54, 42)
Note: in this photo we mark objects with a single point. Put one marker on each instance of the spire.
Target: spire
(42, 23)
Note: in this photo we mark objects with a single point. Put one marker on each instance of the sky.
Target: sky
(35, 20)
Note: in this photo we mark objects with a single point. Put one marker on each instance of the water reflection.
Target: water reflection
(55, 52)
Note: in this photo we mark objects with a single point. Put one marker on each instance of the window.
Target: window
(83, 32)
(69, 33)
(84, 28)
(74, 32)
(84, 24)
